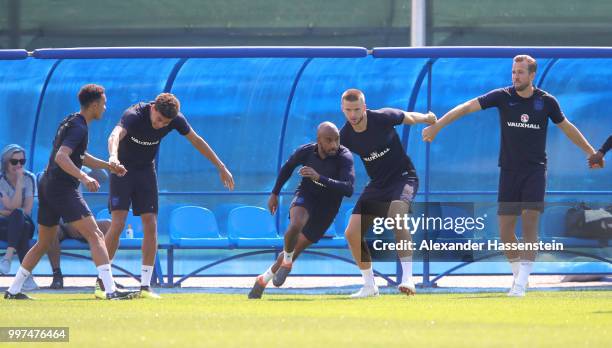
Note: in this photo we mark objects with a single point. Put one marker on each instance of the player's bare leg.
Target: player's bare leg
(111, 239)
(507, 234)
(299, 218)
(149, 250)
(531, 219)
(262, 280)
(88, 228)
(401, 208)
(46, 236)
(361, 255)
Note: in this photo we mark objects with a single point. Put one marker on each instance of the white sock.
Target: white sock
(524, 272)
(368, 277)
(145, 275)
(515, 264)
(406, 268)
(268, 274)
(20, 277)
(287, 256)
(105, 273)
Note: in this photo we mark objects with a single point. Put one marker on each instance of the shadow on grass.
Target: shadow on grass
(468, 297)
(314, 298)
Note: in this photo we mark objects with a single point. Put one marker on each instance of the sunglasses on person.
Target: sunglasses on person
(14, 161)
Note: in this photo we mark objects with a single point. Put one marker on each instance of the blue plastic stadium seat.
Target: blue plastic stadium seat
(331, 239)
(134, 221)
(252, 227)
(221, 213)
(331, 232)
(195, 227)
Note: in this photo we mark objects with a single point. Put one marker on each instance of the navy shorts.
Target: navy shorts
(137, 188)
(520, 190)
(376, 200)
(58, 200)
(320, 215)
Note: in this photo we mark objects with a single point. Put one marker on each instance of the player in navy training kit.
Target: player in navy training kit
(327, 174)
(393, 180)
(59, 196)
(524, 111)
(134, 143)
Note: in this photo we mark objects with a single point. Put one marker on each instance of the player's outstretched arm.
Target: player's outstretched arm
(285, 173)
(576, 137)
(62, 158)
(411, 118)
(113, 145)
(207, 151)
(429, 133)
(96, 163)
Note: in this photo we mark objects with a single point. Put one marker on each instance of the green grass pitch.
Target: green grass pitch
(554, 319)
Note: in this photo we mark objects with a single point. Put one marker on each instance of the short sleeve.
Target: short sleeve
(129, 117)
(390, 117)
(181, 125)
(74, 135)
(491, 99)
(555, 114)
(30, 184)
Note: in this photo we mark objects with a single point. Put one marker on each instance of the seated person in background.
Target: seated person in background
(17, 187)
(68, 232)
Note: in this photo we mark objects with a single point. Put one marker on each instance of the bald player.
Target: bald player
(327, 174)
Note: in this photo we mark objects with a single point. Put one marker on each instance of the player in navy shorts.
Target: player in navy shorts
(327, 174)
(59, 196)
(393, 181)
(134, 143)
(524, 112)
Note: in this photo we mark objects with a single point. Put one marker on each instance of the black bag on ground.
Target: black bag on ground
(583, 222)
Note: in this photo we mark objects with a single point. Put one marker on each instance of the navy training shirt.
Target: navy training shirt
(73, 133)
(606, 146)
(524, 122)
(379, 147)
(141, 143)
(337, 173)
